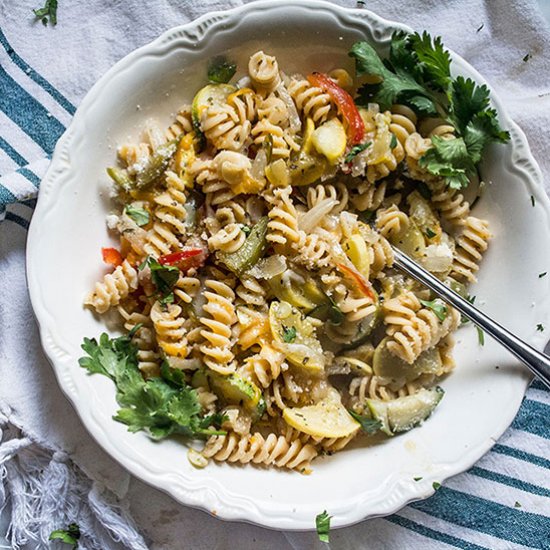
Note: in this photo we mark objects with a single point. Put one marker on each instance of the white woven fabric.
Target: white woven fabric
(51, 471)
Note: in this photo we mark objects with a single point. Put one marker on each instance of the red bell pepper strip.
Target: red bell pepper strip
(112, 256)
(345, 103)
(185, 259)
(360, 280)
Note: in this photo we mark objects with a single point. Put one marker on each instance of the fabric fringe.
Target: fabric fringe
(47, 491)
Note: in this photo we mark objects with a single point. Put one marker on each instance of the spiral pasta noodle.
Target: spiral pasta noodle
(272, 450)
(264, 72)
(311, 101)
(470, 246)
(170, 329)
(425, 331)
(216, 351)
(114, 288)
(144, 340)
(283, 224)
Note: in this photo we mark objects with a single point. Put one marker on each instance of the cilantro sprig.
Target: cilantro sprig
(68, 536)
(161, 406)
(417, 73)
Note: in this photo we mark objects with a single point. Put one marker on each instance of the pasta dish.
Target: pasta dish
(254, 275)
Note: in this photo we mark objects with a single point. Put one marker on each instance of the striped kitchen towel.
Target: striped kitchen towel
(502, 502)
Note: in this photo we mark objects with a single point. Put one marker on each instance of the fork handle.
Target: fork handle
(538, 363)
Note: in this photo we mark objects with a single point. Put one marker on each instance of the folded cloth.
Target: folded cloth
(52, 473)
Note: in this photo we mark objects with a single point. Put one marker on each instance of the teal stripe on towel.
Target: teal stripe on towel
(31, 176)
(29, 114)
(521, 455)
(510, 481)
(39, 79)
(488, 517)
(533, 417)
(432, 534)
(12, 153)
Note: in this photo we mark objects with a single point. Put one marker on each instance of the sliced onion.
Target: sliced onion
(311, 219)
(437, 258)
(267, 268)
(294, 118)
(258, 165)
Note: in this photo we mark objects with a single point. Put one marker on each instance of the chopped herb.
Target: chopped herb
(355, 150)
(164, 277)
(540, 327)
(289, 334)
(417, 478)
(532, 200)
(517, 504)
(139, 215)
(527, 57)
(268, 145)
(161, 406)
(541, 275)
(436, 485)
(480, 336)
(48, 12)
(480, 27)
(221, 71)
(322, 522)
(430, 234)
(368, 424)
(393, 142)
(246, 229)
(68, 536)
(418, 74)
(439, 308)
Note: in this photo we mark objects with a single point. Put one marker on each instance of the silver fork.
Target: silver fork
(535, 361)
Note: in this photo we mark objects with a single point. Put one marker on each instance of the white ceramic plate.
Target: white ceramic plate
(362, 481)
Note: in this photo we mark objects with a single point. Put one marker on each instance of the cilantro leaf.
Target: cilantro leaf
(394, 85)
(322, 523)
(435, 60)
(289, 334)
(449, 158)
(368, 424)
(438, 307)
(164, 277)
(68, 536)
(139, 215)
(221, 71)
(160, 406)
(48, 12)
